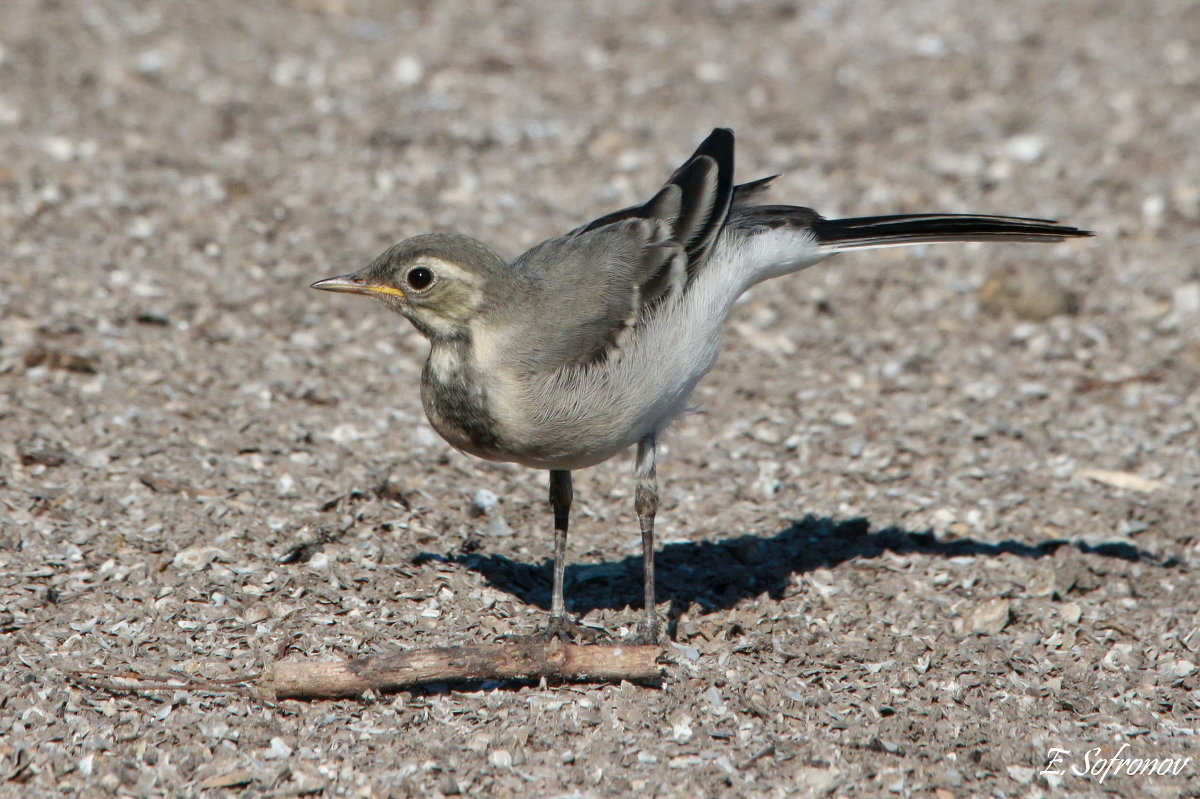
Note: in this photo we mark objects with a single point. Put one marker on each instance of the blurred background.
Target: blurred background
(177, 409)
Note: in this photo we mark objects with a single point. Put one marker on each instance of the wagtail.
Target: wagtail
(592, 342)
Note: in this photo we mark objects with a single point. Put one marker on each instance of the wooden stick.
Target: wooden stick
(517, 660)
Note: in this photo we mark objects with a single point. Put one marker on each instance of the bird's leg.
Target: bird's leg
(646, 504)
(560, 502)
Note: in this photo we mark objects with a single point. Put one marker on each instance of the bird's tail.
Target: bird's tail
(866, 232)
(788, 238)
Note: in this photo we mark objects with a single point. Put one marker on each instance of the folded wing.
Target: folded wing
(620, 265)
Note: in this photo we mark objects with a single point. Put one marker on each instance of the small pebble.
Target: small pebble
(990, 617)
(1026, 292)
(484, 501)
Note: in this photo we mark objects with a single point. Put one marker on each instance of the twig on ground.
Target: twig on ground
(519, 660)
(125, 681)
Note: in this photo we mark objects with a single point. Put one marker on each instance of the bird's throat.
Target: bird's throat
(456, 401)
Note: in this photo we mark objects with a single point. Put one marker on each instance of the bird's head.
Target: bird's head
(438, 281)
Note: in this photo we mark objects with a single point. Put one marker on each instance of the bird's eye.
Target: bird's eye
(419, 278)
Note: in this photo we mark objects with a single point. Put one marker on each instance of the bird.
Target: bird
(591, 343)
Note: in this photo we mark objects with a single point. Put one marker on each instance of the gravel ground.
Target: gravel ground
(935, 515)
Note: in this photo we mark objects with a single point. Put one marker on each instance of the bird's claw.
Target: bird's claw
(566, 628)
(648, 633)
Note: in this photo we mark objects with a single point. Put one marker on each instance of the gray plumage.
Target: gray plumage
(591, 342)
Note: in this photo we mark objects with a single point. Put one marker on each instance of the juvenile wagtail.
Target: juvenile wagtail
(592, 342)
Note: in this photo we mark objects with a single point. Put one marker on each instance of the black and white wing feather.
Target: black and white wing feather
(601, 278)
(699, 193)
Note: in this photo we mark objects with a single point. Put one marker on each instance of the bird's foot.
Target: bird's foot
(566, 628)
(648, 633)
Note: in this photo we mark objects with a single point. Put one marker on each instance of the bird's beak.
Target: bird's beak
(354, 284)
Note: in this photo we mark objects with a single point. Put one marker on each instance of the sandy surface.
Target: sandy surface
(927, 525)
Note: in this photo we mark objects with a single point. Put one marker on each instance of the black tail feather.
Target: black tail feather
(744, 193)
(890, 231)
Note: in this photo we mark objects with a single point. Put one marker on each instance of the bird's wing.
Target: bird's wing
(582, 292)
(704, 188)
(600, 279)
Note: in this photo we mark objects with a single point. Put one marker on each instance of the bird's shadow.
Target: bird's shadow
(715, 575)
